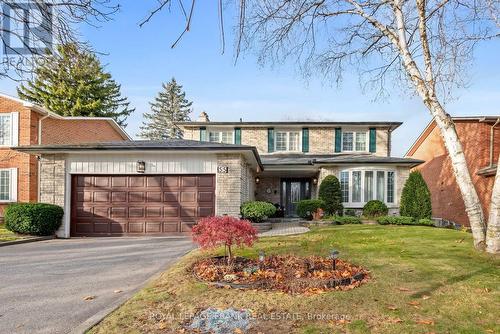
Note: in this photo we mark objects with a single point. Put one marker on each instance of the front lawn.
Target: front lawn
(6, 235)
(424, 280)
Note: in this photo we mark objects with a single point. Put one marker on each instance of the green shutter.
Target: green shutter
(338, 139)
(305, 140)
(373, 140)
(203, 133)
(270, 140)
(237, 136)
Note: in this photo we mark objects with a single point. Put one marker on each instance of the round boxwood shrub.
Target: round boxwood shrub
(375, 208)
(307, 207)
(330, 193)
(33, 218)
(416, 198)
(257, 211)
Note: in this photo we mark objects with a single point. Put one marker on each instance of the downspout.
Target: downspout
(492, 140)
(39, 177)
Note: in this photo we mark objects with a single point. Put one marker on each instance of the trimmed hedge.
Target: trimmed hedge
(330, 193)
(347, 220)
(257, 211)
(404, 220)
(307, 207)
(33, 218)
(416, 198)
(375, 208)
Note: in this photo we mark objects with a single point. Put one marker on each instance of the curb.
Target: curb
(25, 241)
(94, 320)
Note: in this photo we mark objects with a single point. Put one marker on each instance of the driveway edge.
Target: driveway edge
(99, 316)
(25, 241)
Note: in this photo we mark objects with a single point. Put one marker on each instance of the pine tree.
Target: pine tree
(169, 107)
(72, 82)
(416, 198)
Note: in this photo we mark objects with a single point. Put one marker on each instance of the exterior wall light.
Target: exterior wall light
(141, 166)
(257, 180)
(334, 254)
(315, 181)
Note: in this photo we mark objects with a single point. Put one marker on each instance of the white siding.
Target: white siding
(157, 163)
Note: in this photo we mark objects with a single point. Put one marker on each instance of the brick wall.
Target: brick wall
(437, 170)
(63, 131)
(53, 183)
(271, 183)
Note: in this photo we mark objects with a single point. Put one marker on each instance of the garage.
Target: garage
(118, 205)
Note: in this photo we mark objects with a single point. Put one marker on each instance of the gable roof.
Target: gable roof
(41, 110)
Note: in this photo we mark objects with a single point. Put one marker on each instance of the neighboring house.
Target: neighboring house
(22, 124)
(480, 138)
(164, 187)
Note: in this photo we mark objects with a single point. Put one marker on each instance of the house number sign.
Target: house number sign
(222, 169)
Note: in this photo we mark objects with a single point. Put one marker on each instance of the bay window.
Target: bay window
(367, 185)
(287, 141)
(354, 141)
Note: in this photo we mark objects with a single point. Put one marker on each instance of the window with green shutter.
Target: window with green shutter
(338, 139)
(305, 140)
(373, 140)
(203, 133)
(270, 140)
(237, 136)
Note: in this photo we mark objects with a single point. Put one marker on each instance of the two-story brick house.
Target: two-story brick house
(164, 187)
(22, 124)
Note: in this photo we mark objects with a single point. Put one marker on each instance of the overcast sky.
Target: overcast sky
(140, 59)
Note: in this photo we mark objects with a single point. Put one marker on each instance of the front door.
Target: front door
(292, 191)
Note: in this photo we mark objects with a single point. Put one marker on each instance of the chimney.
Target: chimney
(203, 117)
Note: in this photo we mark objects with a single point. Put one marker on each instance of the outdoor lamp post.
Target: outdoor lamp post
(334, 254)
(262, 256)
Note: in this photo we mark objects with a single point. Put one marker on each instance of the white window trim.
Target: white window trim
(12, 186)
(354, 132)
(220, 131)
(14, 128)
(363, 170)
(299, 146)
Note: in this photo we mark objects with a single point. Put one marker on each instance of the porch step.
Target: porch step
(285, 220)
(262, 227)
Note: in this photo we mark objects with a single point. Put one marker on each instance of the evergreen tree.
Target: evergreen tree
(72, 82)
(169, 107)
(330, 193)
(416, 198)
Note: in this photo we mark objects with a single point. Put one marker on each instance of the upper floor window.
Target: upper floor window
(354, 141)
(6, 129)
(8, 185)
(226, 137)
(287, 141)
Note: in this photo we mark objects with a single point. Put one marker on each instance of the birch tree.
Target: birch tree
(422, 46)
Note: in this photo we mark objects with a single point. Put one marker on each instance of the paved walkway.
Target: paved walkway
(285, 229)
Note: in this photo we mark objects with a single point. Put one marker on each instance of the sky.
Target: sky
(141, 59)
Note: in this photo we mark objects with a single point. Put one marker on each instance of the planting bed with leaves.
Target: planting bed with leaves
(287, 273)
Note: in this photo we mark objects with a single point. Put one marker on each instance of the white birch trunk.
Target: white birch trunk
(493, 232)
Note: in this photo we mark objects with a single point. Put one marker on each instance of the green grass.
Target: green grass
(454, 289)
(6, 235)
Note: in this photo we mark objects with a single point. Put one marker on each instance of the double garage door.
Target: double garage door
(114, 205)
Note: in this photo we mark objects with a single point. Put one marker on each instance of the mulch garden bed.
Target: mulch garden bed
(287, 273)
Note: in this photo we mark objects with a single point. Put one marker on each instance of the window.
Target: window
(225, 137)
(344, 186)
(5, 130)
(356, 186)
(287, 141)
(354, 141)
(367, 185)
(390, 187)
(8, 185)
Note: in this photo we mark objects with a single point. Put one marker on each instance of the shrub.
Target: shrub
(330, 193)
(395, 220)
(307, 207)
(350, 212)
(426, 222)
(257, 211)
(347, 220)
(416, 198)
(227, 231)
(33, 218)
(375, 208)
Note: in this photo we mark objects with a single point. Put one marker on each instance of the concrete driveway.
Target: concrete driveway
(43, 284)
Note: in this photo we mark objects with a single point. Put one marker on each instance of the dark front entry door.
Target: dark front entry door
(292, 191)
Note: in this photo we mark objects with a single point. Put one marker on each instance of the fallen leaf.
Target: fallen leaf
(237, 331)
(404, 289)
(460, 241)
(117, 291)
(425, 297)
(424, 322)
(392, 307)
(395, 320)
(413, 303)
(88, 297)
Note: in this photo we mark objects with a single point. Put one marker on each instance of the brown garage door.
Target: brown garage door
(109, 205)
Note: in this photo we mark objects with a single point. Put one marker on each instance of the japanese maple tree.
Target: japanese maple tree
(224, 231)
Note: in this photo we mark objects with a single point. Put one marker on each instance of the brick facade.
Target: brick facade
(437, 171)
